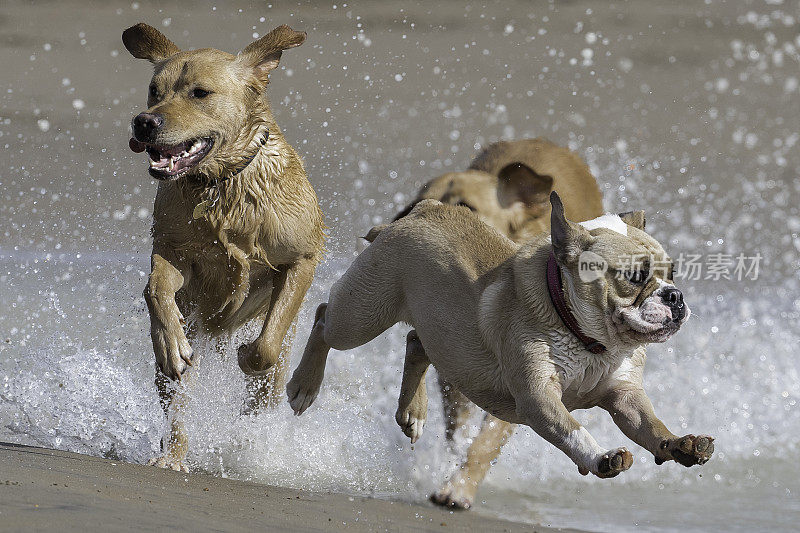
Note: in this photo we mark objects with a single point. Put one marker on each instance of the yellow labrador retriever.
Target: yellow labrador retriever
(237, 228)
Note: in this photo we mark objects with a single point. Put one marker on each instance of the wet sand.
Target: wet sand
(42, 489)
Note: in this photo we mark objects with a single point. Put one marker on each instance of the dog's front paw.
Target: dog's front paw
(302, 390)
(458, 495)
(173, 352)
(255, 359)
(689, 450)
(411, 421)
(613, 462)
(170, 463)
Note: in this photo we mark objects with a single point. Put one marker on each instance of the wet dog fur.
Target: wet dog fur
(237, 228)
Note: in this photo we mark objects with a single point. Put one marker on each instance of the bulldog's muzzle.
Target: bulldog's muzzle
(673, 298)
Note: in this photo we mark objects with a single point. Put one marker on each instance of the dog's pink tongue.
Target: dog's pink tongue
(136, 146)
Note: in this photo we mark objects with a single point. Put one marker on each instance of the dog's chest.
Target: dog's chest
(222, 248)
(583, 374)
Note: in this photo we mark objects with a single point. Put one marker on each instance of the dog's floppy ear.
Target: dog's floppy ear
(146, 42)
(518, 182)
(633, 218)
(265, 53)
(569, 239)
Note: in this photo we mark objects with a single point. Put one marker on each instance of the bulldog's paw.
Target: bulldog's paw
(169, 462)
(302, 390)
(411, 420)
(613, 462)
(173, 352)
(458, 496)
(689, 450)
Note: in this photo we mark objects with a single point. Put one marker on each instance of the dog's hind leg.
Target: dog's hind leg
(459, 491)
(457, 408)
(338, 325)
(412, 409)
(306, 380)
(175, 444)
(364, 303)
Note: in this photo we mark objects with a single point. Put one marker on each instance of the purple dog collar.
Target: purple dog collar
(556, 290)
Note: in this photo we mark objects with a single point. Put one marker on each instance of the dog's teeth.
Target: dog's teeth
(171, 164)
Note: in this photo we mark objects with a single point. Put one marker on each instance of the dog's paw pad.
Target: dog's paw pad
(613, 462)
(169, 463)
(691, 450)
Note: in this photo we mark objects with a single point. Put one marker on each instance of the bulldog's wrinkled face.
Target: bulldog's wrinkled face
(625, 274)
(204, 106)
(642, 300)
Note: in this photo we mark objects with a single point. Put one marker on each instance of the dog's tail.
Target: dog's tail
(374, 232)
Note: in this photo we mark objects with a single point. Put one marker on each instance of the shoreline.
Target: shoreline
(45, 489)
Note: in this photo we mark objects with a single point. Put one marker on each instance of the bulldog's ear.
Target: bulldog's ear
(518, 182)
(146, 42)
(264, 54)
(633, 218)
(569, 239)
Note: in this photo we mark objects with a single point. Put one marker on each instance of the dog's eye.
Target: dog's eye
(464, 204)
(200, 93)
(153, 91)
(637, 277)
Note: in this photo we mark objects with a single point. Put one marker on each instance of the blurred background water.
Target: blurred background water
(687, 109)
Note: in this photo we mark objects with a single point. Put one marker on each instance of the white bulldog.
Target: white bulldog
(522, 331)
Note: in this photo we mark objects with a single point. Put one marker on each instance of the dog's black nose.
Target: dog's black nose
(674, 299)
(145, 124)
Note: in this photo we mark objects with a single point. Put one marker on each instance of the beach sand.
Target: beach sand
(43, 489)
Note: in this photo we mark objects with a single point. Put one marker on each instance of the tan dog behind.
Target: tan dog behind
(237, 229)
(482, 310)
(508, 187)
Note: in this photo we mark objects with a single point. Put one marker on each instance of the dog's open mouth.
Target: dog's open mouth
(647, 328)
(169, 162)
